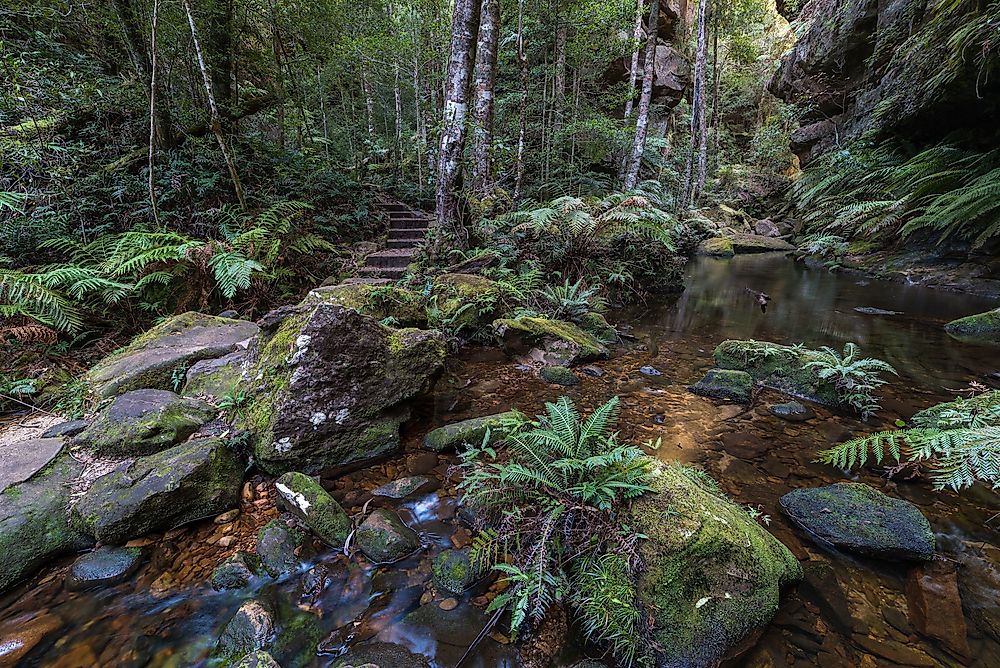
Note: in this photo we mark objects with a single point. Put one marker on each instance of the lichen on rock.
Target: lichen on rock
(306, 499)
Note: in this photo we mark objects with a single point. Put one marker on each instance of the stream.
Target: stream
(848, 611)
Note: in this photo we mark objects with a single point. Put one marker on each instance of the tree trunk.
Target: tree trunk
(522, 121)
(698, 140)
(717, 77)
(633, 72)
(482, 105)
(152, 110)
(366, 88)
(219, 45)
(398, 103)
(142, 59)
(456, 106)
(559, 80)
(642, 120)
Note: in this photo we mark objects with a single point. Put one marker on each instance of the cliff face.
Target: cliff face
(880, 67)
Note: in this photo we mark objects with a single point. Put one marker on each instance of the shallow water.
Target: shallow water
(848, 612)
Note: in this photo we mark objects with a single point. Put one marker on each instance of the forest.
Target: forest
(537, 333)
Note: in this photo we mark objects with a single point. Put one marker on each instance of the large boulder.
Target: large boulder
(713, 575)
(556, 341)
(756, 243)
(331, 386)
(306, 499)
(979, 328)
(859, 518)
(406, 308)
(160, 357)
(468, 432)
(35, 523)
(187, 482)
(143, 422)
(779, 367)
(716, 247)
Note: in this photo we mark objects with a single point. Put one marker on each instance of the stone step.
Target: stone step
(408, 223)
(396, 257)
(403, 243)
(386, 273)
(368, 281)
(407, 233)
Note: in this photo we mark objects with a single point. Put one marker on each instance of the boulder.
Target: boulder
(979, 328)
(257, 659)
(713, 575)
(35, 525)
(716, 247)
(561, 343)
(276, 547)
(558, 375)
(468, 432)
(252, 628)
(598, 325)
(215, 378)
(381, 655)
(159, 357)
(404, 307)
(187, 482)
(19, 460)
(453, 571)
(724, 384)
(792, 411)
(236, 572)
(755, 243)
(765, 227)
(404, 487)
(306, 499)
(859, 518)
(383, 537)
(330, 387)
(104, 567)
(779, 367)
(465, 301)
(144, 422)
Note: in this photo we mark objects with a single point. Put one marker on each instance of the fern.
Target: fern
(855, 378)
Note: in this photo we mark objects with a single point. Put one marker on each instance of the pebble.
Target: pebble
(228, 516)
(650, 371)
(448, 604)
(226, 541)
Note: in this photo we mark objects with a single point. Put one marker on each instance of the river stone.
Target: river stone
(381, 655)
(153, 359)
(306, 499)
(144, 422)
(331, 387)
(778, 367)
(19, 635)
(979, 328)
(978, 583)
(19, 460)
(792, 411)
(197, 479)
(724, 384)
(404, 487)
(859, 518)
(105, 566)
(453, 631)
(713, 575)
(65, 429)
(383, 537)
(215, 378)
(935, 606)
(251, 628)
(34, 523)
(756, 243)
(453, 571)
(236, 572)
(562, 343)
(716, 247)
(276, 546)
(468, 432)
(558, 375)
(257, 659)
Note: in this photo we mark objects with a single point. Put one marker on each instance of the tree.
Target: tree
(693, 184)
(484, 83)
(642, 119)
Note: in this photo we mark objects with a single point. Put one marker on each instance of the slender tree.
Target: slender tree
(633, 70)
(697, 149)
(482, 106)
(152, 110)
(642, 118)
(559, 78)
(522, 113)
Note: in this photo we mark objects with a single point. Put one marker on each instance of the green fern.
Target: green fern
(854, 377)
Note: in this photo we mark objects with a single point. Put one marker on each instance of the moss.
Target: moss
(383, 537)
(558, 375)
(380, 302)
(306, 499)
(725, 384)
(779, 367)
(716, 246)
(597, 324)
(468, 432)
(453, 572)
(588, 347)
(979, 328)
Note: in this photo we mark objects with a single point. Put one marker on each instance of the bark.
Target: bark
(366, 88)
(633, 71)
(699, 142)
(456, 106)
(482, 106)
(642, 119)
(559, 80)
(140, 54)
(219, 47)
(152, 110)
(522, 120)
(398, 101)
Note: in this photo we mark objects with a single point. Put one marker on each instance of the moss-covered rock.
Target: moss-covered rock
(468, 432)
(979, 328)
(558, 375)
(859, 518)
(466, 301)
(215, 378)
(381, 655)
(236, 571)
(252, 628)
(779, 367)
(383, 537)
(598, 325)
(20, 460)
(184, 483)
(755, 243)
(34, 521)
(143, 422)
(331, 387)
(276, 546)
(562, 343)
(159, 358)
(306, 499)
(257, 659)
(713, 575)
(453, 571)
(405, 307)
(716, 247)
(725, 384)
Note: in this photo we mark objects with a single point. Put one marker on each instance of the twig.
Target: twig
(482, 635)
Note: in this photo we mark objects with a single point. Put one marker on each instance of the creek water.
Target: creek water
(848, 611)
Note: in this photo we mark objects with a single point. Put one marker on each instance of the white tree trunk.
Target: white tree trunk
(633, 70)
(642, 120)
(484, 81)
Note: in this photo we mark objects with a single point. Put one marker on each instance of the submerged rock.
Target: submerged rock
(979, 328)
(724, 384)
(154, 359)
(330, 387)
(382, 655)
(143, 422)
(713, 576)
(558, 375)
(453, 571)
(276, 546)
(306, 499)
(236, 571)
(190, 481)
(778, 367)
(859, 518)
(383, 537)
(105, 566)
(468, 432)
(562, 343)
(871, 310)
(404, 487)
(716, 247)
(792, 411)
(21, 634)
(252, 628)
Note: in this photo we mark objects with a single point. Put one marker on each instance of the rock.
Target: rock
(104, 567)
(215, 378)
(755, 243)
(745, 446)
(276, 546)
(306, 499)
(713, 575)
(405, 307)
(236, 571)
(144, 422)
(766, 228)
(558, 375)
(330, 387)
(404, 487)
(978, 582)
(980, 328)
(252, 628)
(792, 411)
(724, 384)
(716, 247)
(467, 301)
(382, 655)
(154, 359)
(257, 659)
(861, 519)
(593, 371)
(778, 367)
(65, 429)
(19, 635)
(421, 463)
(383, 537)
(34, 523)
(562, 343)
(468, 432)
(453, 572)
(935, 606)
(871, 310)
(190, 481)
(597, 324)
(650, 371)
(19, 460)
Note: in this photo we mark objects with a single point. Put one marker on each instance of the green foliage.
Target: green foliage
(855, 378)
(571, 301)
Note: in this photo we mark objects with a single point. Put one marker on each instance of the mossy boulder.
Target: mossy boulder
(236, 572)
(157, 358)
(331, 386)
(713, 575)
(561, 343)
(252, 628)
(859, 518)
(779, 367)
(276, 547)
(384, 538)
(453, 571)
(215, 378)
(306, 499)
(143, 422)
(756, 243)
(725, 384)
(598, 325)
(35, 524)
(716, 247)
(469, 432)
(405, 307)
(979, 328)
(558, 375)
(467, 301)
(107, 565)
(187, 482)
(257, 659)
(374, 654)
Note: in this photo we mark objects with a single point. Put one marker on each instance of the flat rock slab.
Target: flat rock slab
(71, 428)
(404, 487)
(19, 461)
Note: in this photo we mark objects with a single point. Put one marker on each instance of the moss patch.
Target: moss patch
(979, 328)
(405, 307)
(778, 367)
(453, 572)
(306, 499)
(717, 247)
(468, 432)
(565, 341)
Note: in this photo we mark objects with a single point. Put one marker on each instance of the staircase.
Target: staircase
(407, 229)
